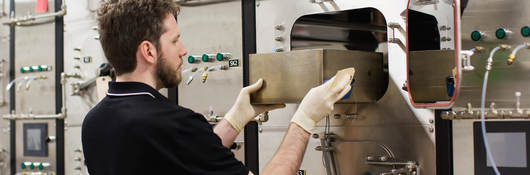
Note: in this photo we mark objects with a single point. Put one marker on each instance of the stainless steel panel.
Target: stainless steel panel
(389, 122)
(428, 72)
(504, 80)
(210, 29)
(289, 76)
(35, 45)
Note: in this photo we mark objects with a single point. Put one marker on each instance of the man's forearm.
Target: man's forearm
(226, 132)
(289, 156)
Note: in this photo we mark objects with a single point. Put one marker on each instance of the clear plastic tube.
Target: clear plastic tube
(482, 110)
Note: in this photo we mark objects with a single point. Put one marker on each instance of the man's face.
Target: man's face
(169, 64)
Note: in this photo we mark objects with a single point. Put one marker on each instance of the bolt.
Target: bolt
(370, 157)
(431, 121)
(315, 136)
(404, 87)
(336, 116)
(431, 129)
(318, 148)
(383, 158)
(351, 116)
(278, 27)
(280, 39)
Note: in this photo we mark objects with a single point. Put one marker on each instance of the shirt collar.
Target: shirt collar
(133, 89)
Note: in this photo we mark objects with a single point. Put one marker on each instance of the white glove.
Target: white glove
(319, 101)
(242, 111)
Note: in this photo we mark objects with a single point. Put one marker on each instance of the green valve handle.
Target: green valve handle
(22, 70)
(500, 33)
(205, 58)
(525, 31)
(32, 166)
(41, 166)
(191, 59)
(476, 35)
(223, 56)
(23, 165)
(220, 57)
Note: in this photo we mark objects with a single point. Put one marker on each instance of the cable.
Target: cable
(483, 104)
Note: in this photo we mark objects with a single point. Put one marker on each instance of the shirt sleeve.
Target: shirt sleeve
(198, 149)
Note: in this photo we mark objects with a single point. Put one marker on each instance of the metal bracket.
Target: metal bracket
(398, 167)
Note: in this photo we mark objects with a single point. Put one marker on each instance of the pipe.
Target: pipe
(28, 18)
(483, 104)
(61, 115)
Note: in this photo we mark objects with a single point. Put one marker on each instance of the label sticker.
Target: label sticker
(300, 172)
(233, 63)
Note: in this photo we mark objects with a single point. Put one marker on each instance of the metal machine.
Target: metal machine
(415, 107)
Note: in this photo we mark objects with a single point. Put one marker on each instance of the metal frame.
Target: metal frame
(59, 68)
(12, 123)
(249, 46)
(456, 39)
(444, 144)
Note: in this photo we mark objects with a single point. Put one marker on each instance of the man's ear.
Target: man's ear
(147, 51)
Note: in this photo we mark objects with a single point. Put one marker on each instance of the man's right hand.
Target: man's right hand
(319, 101)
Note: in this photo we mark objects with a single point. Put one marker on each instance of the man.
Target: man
(136, 130)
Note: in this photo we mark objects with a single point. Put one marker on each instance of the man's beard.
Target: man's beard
(167, 76)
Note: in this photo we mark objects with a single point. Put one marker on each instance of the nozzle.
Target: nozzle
(505, 46)
(204, 77)
(513, 55)
(511, 59)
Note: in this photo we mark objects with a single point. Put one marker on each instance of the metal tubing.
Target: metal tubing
(28, 18)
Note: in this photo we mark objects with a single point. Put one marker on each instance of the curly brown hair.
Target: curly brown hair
(124, 24)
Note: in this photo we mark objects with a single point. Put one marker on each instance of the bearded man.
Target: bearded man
(136, 130)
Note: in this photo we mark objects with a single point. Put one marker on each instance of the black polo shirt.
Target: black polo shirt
(136, 130)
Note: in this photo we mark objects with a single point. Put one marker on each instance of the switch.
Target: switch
(477, 35)
(525, 31)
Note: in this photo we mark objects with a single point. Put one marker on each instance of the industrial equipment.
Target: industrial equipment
(441, 85)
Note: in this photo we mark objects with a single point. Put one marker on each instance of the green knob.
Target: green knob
(31, 69)
(476, 35)
(22, 70)
(220, 57)
(204, 58)
(500, 33)
(39, 68)
(23, 165)
(525, 31)
(191, 59)
(32, 166)
(41, 166)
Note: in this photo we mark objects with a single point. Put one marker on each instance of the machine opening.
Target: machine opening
(361, 31)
